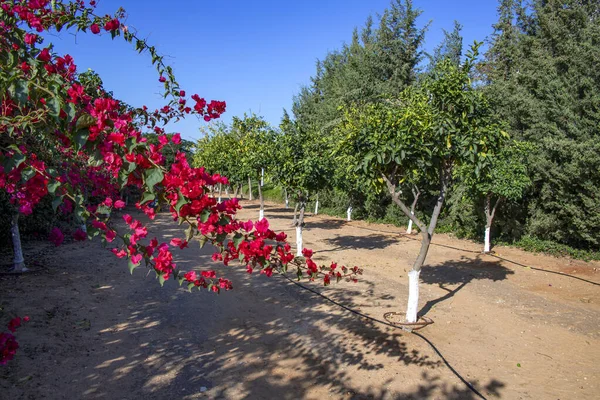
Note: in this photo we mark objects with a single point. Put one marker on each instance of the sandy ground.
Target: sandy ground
(521, 329)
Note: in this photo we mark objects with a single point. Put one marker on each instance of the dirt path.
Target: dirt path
(513, 331)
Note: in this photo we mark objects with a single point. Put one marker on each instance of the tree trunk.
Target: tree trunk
(220, 192)
(416, 194)
(235, 192)
(249, 189)
(261, 212)
(227, 192)
(287, 200)
(426, 233)
(299, 226)
(262, 177)
(349, 213)
(317, 205)
(19, 260)
(489, 218)
(295, 220)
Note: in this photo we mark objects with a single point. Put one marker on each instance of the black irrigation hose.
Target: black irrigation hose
(435, 349)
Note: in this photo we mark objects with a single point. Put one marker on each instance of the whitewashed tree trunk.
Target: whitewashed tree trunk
(349, 214)
(287, 199)
(220, 192)
(227, 192)
(19, 260)
(262, 177)
(317, 206)
(249, 188)
(489, 219)
(413, 296)
(261, 212)
(409, 229)
(299, 241)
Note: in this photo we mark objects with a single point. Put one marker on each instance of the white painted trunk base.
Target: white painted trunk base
(299, 241)
(317, 207)
(19, 260)
(409, 229)
(262, 177)
(287, 203)
(261, 214)
(486, 246)
(349, 214)
(413, 296)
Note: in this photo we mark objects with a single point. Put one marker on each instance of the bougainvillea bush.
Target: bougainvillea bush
(77, 144)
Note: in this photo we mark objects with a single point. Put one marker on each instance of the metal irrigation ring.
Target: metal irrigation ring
(421, 323)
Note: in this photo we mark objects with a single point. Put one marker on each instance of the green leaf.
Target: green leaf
(189, 233)
(191, 286)
(57, 202)
(146, 197)
(132, 266)
(161, 279)
(203, 239)
(204, 215)
(84, 121)
(53, 105)
(152, 177)
(52, 186)
(27, 174)
(181, 201)
(80, 138)
(14, 161)
(237, 239)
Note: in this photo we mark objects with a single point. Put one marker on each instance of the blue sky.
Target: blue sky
(255, 55)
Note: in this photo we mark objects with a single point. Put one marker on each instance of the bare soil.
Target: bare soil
(514, 325)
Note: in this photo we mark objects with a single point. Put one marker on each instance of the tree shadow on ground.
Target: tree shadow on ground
(369, 242)
(325, 224)
(459, 273)
(266, 339)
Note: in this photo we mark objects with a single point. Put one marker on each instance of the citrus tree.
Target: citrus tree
(504, 179)
(57, 140)
(256, 148)
(432, 128)
(303, 168)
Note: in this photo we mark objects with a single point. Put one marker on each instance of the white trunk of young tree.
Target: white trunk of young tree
(299, 241)
(317, 206)
(426, 233)
(262, 177)
(18, 260)
(489, 218)
(349, 214)
(261, 212)
(249, 188)
(220, 191)
(227, 192)
(287, 199)
(413, 296)
(409, 229)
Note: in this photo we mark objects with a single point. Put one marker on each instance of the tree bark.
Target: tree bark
(317, 205)
(249, 188)
(349, 213)
(18, 260)
(416, 193)
(489, 218)
(287, 200)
